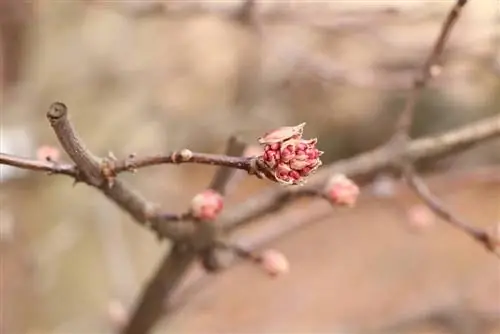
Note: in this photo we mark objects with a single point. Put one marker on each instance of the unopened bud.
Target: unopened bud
(274, 262)
(341, 190)
(207, 205)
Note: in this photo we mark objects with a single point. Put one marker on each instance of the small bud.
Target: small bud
(282, 134)
(48, 153)
(207, 205)
(341, 190)
(274, 263)
(420, 217)
(117, 313)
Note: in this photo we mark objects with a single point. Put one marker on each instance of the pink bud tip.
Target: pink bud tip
(421, 217)
(341, 190)
(274, 263)
(207, 205)
(48, 153)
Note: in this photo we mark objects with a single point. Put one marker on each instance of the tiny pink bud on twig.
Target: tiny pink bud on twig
(341, 190)
(274, 263)
(48, 153)
(207, 205)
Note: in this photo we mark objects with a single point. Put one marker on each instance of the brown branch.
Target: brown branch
(38, 165)
(429, 69)
(150, 308)
(90, 172)
(433, 202)
(366, 166)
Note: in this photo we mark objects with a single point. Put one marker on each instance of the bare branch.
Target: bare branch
(38, 165)
(365, 167)
(90, 172)
(424, 193)
(224, 174)
(150, 305)
(429, 69)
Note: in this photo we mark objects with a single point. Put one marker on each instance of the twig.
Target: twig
(150, 305)
(365, 167)
(429, 69)
(90, 172)
(220, 183)
(39, 165)
(433, 202)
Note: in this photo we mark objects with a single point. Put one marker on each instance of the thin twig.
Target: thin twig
(365, 166)
(429, 69)
(39, 165)
(433, 202)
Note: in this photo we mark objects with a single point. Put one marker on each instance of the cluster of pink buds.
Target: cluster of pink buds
(207, 205)
(274, 263)
(289, 157)
(341, 190)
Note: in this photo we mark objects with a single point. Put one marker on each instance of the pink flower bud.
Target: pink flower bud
(207, 205)
(288, 157)
(117, 313)
(274, 263)
(421, 217)
(48, 153)
(340, 190)
(282, 134)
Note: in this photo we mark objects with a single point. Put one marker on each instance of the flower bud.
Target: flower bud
(289, 158)
(207, 205)
(341, 190)
(274, 263)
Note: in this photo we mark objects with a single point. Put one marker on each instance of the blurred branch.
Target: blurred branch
(223, 176)
(150, 304)
(366, 166)
(402, 135)
(433, 202)
(430, 68)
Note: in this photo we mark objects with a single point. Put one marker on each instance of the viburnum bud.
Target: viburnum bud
(289, 158)
(48, 153)
(207, 205)
(421, 217)
(274, 262)
(341, 190)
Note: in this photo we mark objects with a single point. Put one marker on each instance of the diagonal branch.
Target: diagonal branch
(90, 171)
(433, 202)
(150, 306)
(366, 166)
(429, 69)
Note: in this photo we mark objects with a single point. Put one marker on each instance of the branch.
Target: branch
(429, 69)
(366, 166)
(424, 193)
(39, 165)
(168, 276)
(91, 171)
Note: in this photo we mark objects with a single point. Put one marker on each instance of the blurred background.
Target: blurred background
(153, 76)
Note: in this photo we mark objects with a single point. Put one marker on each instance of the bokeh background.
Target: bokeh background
(153, 76)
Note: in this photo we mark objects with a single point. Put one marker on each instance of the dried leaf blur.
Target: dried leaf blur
(153, 76)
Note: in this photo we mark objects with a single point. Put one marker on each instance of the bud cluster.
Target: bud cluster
(289, 157)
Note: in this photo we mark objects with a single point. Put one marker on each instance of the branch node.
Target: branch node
(183, 155)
